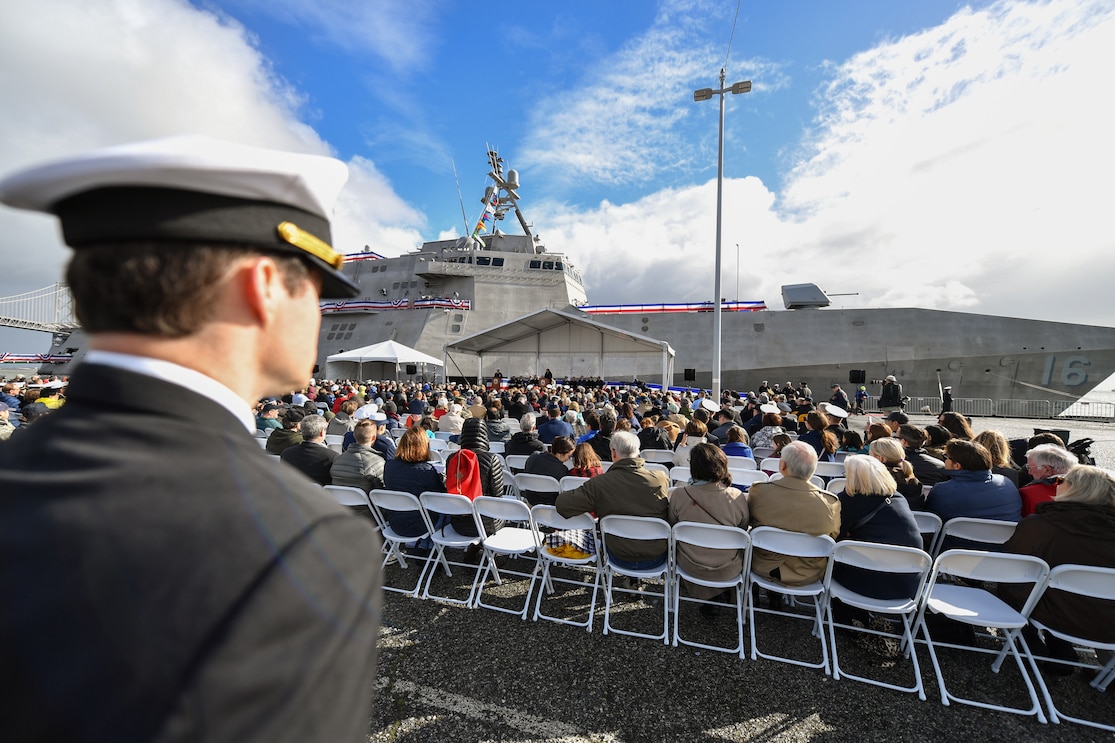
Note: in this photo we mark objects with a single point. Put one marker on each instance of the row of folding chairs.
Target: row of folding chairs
(946, 585)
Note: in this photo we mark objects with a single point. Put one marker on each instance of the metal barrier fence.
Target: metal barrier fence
(985, 407)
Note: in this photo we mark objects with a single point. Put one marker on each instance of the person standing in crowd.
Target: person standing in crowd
(946, 399)
(840, 398)
(890, 399)
(148, 603)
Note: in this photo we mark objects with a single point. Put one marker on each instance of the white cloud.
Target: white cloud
(77, 75)
(958, 168)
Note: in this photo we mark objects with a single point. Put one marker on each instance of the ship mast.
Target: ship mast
(501, 197)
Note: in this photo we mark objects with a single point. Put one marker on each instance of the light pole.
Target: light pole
(703, 95)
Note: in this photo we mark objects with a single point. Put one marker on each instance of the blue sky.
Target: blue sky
(929, 154)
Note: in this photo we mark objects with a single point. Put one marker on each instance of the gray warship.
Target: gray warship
(448, 290)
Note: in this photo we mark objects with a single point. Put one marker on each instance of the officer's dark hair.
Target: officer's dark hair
(167, 290)
(968, 454)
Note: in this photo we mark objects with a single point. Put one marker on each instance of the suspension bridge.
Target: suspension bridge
(50, 309)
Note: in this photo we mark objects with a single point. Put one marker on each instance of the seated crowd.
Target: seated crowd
(1065, 509)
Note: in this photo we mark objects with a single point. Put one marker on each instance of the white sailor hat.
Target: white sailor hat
(193, 189)
(366, 411)
(709, 405)
(768, 408)
(833, 410)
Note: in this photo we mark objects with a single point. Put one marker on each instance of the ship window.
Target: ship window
(330, 336)
(352, 326)
(497, 261)
(483, 261)
(548, 265)
(395, 285)
(413, 284)
(759, 327)
(455, 329)
(335, 327)
(389, 322)
(559, 266)
(536, 264)
(347, 336)
(458, 318)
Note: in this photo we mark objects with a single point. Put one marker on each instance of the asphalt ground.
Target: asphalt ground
(449, 673)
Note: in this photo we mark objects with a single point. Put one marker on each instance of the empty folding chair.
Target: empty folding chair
(545, 486)
(829, 470)
(761, 453)
(662, 456)
(547, 516)
(572, 482)
(770, 464)
(399, 501)
(680, 475)
(688, 534)
(443, 435)
(747, 477)
(516, 462)
(657, 467)
(447, 537)
(742, 463)
(929, 525)
(982, 609)
(347, 495)
(638, 528)
(439, 445)
(1081, 580)
(836, 484)
(510, 540)
(977, 534)
(334, 442)
(397, 433)
(796, 544)
(495, 447)
(894, 560)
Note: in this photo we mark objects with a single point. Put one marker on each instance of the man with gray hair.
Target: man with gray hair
(312, 457)
(627, 488)
(1044, 463)
(526, 440)
(795, 504)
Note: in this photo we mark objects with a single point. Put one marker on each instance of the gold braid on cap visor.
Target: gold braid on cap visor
(312, 244)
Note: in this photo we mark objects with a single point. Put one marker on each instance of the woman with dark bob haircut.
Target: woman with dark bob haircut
(709, 498)
(410, 472)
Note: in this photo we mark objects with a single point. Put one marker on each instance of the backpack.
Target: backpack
(462, 474)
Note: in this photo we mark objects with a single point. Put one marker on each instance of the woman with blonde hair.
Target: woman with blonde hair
(1076, 527)
(1001, 463)
(872, 510)
(892, 454)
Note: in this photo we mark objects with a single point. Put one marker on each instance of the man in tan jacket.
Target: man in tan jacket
(795, 504)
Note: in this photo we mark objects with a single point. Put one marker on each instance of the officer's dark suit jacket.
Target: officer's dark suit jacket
(162, 580)
(312, 460)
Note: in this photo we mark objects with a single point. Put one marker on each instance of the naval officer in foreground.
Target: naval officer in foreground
(160, 579)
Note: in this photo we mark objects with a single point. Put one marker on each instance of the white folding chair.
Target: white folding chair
(640, 528)
(658, 467)
(982, 609)
(397, 433)
(929, 525)
(1082, 580)
(397, 500)
(770, 464)
(516, 462)
(742, 463)
(987, 533)
(795, 544)
(496, 447)
(829, 470)
(681, 454)
(761, 453)
(883, 558)
(816, 480)
(571, 482)
(747, 477)
(334, 442)
(710, 536)
(548, 516)
(662, 456)
(841, 456)
(347, 495)
(836, 484)
(449, 504)
(439, 445)
(680, 475)
(536, 484)
(443, 435)
(515, 541)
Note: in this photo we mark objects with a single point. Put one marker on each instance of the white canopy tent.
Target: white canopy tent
(387, 355)
(568, 342)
